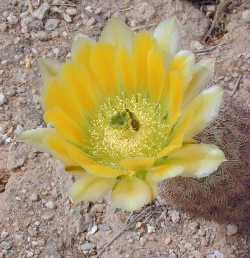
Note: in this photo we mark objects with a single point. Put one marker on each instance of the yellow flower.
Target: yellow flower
(124, 111)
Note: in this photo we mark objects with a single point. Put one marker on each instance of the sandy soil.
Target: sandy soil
(36, 216)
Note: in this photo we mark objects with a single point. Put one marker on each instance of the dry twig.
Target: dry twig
(219, 10)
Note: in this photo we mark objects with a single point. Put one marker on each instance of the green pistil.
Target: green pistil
(126, 127)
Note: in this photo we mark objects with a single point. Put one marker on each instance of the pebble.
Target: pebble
(51, 24)
(3, 27)
(87, 247)
(40, 12)
(50, 205)
(150, 229)
(172, 255)
(232, 229)
(246, 15)
(2, 99)
(67, 18)
(47, 216)
(168, 240)
(41, 35)
(93, 230)
(196, 45)
(34, 197)
(6, 245)
(215, 254)
(71, 11)
(175, 216)
(18, 130)
(4, 234)
(29, 254)
(194, 226)
(12, 19)
(91, 21)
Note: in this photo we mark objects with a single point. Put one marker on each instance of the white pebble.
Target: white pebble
(50, 205)
(2, 99)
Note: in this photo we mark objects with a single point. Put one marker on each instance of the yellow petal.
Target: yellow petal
(205, 108)
(175, 96)
(126, 71)
(102, 62)
(90, 188)
(55, 95)
(202, 74)
(197, 116)
(156, 73)
(77, 79)
(46, 139)
(143, 43)
(137, 163)
(162, 172)
(117, 33)
(48, 68)
(36, 137)
(65, 125)
(131, 193)
(80, 157)
(198, 160)
(167, 35)
(81, 49)
(184, 63)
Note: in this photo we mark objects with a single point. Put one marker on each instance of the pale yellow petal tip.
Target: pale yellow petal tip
(117, 33)
(90, 188)
(49, 68)
(131, 194)
(167, 35)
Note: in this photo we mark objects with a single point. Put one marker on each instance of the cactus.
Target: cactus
(225, 195)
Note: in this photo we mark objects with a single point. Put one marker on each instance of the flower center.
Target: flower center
(125, 127)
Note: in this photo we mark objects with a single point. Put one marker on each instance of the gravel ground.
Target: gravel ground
(37, 218)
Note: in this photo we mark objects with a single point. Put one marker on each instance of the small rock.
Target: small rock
(18, 130)
(18, 238)
(42, 35)
(175, 216)
(4, 234)
(215, 254)
(196, 45)
(172, 255)
(246, 15)
(41, 11)
(12, 19)
(47, 216)
(87, 247)
(17, 156)
(232, 229)
(150, 229)
(29, 254)
(89, 8)
(211, 8)
(51, 24)
(194, 226)
(34, 197)
(71, 11)
(91, 21)
(67, 18)
(168, 240)
(2, 99)
(93, 230)
(3, 27)
(50, 205)
(6, 245)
